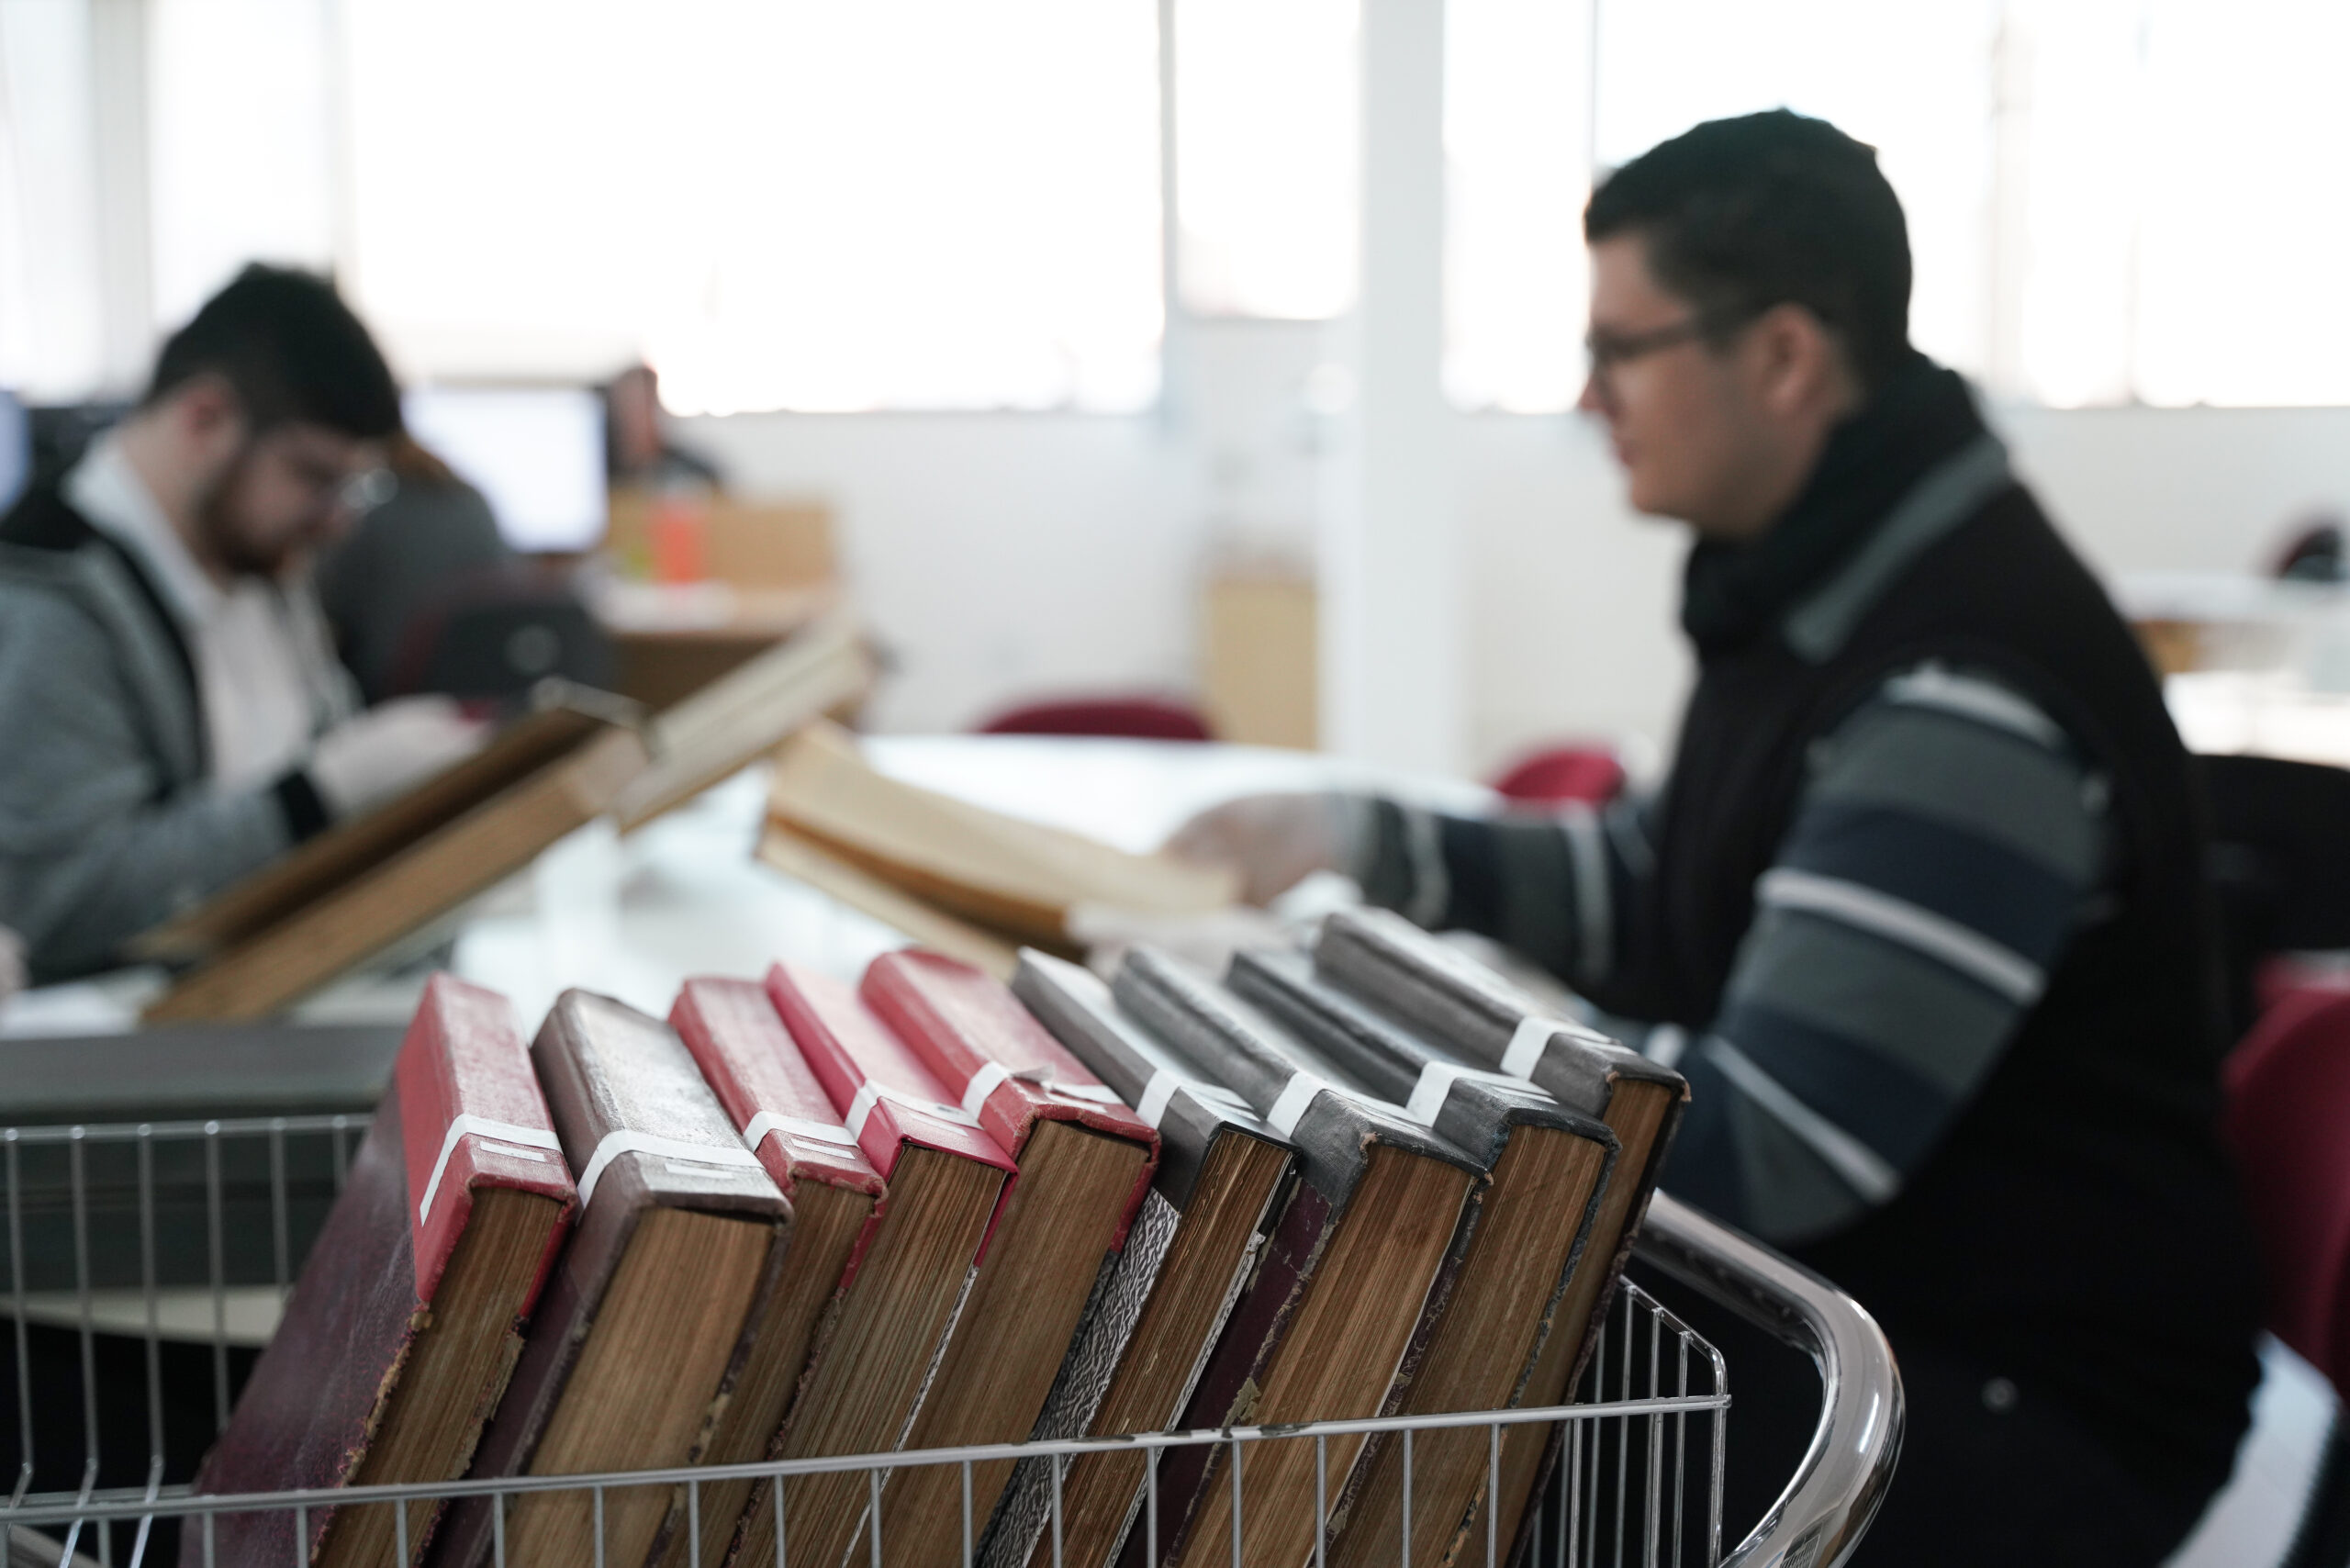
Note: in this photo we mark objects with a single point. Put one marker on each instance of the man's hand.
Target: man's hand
(1273, 841)
(371, 757)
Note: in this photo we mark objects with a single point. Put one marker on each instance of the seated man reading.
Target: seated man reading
(171, 715)
(1920, 910)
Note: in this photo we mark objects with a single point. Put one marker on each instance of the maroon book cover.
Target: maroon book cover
(464, 1113)
(644, 1131)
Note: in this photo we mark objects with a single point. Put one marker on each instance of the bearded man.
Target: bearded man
(171, 714)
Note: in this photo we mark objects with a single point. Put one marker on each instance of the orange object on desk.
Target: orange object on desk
(678, 531)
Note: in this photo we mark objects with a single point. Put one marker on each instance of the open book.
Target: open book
(961, 878)
(378, 879)
(384, 877)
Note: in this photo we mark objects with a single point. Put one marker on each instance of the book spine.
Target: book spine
(1415, 1352)
(1186, 1111)
(1004, 1066)
(471, 1114)
(768, 1090)
(1100, 1343)
(1226, 1391)
(1205, 1023)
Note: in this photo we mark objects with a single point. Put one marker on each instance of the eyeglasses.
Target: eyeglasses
(363, 492)
(1610, 351)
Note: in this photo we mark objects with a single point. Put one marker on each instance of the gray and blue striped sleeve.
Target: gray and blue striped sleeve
(1948, 842)
(1552, 885)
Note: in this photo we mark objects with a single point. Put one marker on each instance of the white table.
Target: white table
(634, 918)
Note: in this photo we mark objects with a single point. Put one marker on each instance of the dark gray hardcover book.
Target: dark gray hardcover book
(1366, 1252)
(1550, 1164)
(1386, 960)
(1115, 1380)
(1448, 995)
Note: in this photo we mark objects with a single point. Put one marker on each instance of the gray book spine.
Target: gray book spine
(1189, 1115)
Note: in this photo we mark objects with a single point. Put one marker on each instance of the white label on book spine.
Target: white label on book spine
(628, 1140)
(1436, 1078)
(1161, 1088)
(871, 1093)
(983, 1084)
(767, 1122)
(1296, 1096)
(521, 1140)
(1527, 1046)
(1166, 1084)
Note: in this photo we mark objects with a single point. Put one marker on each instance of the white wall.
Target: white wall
(2181, 488)
(1004, 556)
(1000, 556)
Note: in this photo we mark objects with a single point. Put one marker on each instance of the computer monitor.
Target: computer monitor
(536, 452)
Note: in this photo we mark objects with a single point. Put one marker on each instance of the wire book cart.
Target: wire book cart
(147, 1243)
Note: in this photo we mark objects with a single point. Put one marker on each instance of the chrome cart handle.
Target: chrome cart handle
(1821, 1516)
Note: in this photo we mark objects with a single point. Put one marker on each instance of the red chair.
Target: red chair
(2288, 1105)
(1589, 774)
(1135, 718)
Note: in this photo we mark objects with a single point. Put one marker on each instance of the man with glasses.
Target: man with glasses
(1920, 908)
(171, 715)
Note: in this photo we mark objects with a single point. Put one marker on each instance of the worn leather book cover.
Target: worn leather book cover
(1032, 1288)
(646, 1135)
(1549, 1166)
(1340, 1129)
(381, 877)
(773, 1094)
(904, 1287)
(887, 1095)
(787, 1120)
(464, 1116)
(1449, 996)
(1194, 1116)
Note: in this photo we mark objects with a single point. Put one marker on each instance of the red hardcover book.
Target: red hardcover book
(1007, 1068)
(653, 1311)
(1086, 1163)
(902, 1288)
(412, 1301)
(772, 1096)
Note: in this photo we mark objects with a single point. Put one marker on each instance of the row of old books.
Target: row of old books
(803, 1219)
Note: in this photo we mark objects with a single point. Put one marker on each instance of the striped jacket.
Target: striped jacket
(1948, 841)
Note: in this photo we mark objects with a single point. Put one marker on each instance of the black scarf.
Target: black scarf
(1731, 593)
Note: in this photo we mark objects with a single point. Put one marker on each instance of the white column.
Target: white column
(1391, 656)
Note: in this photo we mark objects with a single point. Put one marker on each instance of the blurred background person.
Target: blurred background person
(638, 452)
(432, 529)
(176, 715)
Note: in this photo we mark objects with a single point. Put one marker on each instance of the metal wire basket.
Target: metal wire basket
(163, 1250)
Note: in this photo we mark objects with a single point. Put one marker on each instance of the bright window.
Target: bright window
(1913, 80)
(2184, 166)
(240, 143)
(1517, 137)
(806, 205)
(1267, 169)
(801, 204)
(52, 324)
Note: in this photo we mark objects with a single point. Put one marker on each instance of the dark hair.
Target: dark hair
(290, 349)
(1740, 215)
